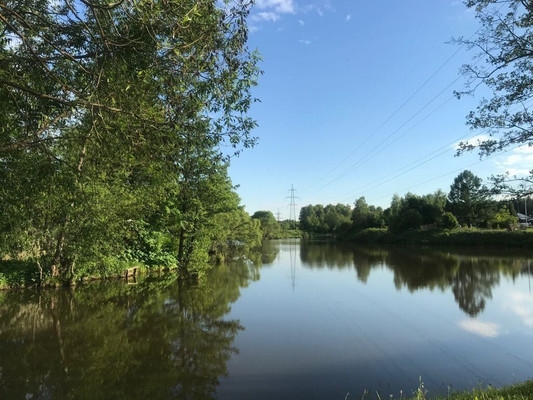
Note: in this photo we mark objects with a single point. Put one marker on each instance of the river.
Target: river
(313, 321)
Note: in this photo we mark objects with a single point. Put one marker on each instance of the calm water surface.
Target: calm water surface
(314, 321)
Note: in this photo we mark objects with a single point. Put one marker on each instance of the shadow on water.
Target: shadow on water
(154, 340)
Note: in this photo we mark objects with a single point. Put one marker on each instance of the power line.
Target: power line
(381, 146)
(427, 158)
(450, 172)
(390, 117)
(394, 137)
(376, 150)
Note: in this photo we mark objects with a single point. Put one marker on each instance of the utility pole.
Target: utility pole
(525, 208)
(278, 215)
(292, 205)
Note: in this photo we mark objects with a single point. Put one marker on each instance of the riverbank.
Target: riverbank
(454, 237)
(519, 391)
(19, 274)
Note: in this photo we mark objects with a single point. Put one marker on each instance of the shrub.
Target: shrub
(448, 221)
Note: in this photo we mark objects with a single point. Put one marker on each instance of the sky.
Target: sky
(356, 100)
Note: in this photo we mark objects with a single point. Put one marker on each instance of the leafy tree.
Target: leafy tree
(503, 218)
(467, 199)
(366, 216)
(503, 64)
(324, 220)
(437, 199)
(234, 233)
(504, 44)
(392, 212)
(448, 221)
(337, 216)
(413, 212)
(311, 218)
(113, 120)
(269, 226)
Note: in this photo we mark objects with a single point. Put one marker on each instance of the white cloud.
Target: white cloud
(518, 172)
(482, 328)
(348, 17)
(302, 23)
(265, 16)
(272, 10)
(520, 159)
(319, 9)
(279, 6)
(303, 41)
(521, 304)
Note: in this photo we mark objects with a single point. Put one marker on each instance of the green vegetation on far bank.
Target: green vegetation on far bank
(470, 214)
(453, 237)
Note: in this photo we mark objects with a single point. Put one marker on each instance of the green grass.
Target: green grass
(520, 391)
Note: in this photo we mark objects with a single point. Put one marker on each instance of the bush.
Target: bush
(503, 220)
(448, 221)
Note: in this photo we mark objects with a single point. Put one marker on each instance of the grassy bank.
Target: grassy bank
(522, 391)
(453, 237)
(519, 391)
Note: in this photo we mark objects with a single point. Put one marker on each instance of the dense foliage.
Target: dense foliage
(326, 220)
(366, 216)
(468, 204)
(415, 212)
(503, 64)
(115, 124)
(269, 226)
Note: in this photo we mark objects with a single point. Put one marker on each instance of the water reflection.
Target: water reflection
(375, 319)
(157, 339)
(356, 319)
(269, 252)
(470, 274)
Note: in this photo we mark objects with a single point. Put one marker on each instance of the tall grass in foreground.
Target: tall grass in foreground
(521, 391)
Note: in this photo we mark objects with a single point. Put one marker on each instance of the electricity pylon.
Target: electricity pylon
(292, 205)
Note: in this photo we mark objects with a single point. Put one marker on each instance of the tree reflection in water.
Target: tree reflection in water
(470, 274)
(157, 339)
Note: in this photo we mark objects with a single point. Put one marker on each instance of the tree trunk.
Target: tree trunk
(56, 261)
(182, 269)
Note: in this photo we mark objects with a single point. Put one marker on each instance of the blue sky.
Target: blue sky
(357, 100)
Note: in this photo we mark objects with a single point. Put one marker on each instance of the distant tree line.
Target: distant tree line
(271, 228)
(331, 219)
(469, 203)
